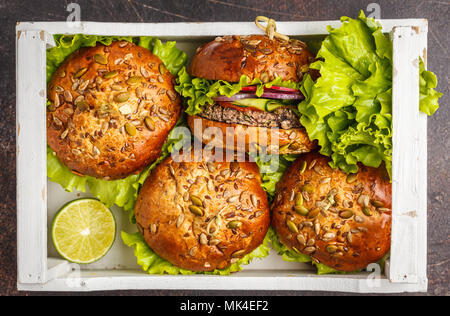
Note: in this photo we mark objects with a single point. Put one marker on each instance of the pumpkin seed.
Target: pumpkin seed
(121, 97)
(308, 188)
(80, 72)
(196, 200)
(234, 224)
(196, 210)
(110, 74)
(131, 129)
(134, 80)
(100, 59)
(292, 227)
(162, 69)
(377, 203)
(300, 209)
(367, 211)
(82, 106)
(149, 123)
(346, 214)
(331, 249)
(352, 177)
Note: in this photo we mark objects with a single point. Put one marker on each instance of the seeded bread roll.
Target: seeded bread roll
(203, 216)
(112, 108)
(342, 221)
(256, 56)
(290, 141)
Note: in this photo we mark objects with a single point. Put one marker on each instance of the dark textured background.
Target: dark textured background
(436, 11)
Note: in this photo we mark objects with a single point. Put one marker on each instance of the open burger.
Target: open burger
(249, 83)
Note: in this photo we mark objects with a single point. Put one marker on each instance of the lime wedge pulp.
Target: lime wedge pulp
(83, 231)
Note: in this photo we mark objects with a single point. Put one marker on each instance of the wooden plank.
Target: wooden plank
(31, 157)
(202, 29)
(409, 165)
(86, 281)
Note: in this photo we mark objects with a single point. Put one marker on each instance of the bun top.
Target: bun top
(340, 220)
(111, 110)
(203, 216)
(256, 56)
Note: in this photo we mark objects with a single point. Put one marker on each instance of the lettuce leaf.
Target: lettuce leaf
(122, 192)
(154, 264)
(199, 91)
(349, 108)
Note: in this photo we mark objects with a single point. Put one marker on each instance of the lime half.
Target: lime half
(83, 231)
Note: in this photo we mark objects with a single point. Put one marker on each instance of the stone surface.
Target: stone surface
(436, 12)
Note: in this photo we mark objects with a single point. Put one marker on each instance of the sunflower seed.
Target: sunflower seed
(350, 237)
(309, 250)
(180, 220)
(233, 199)
(68, 96)
(363, 200)
(95, 151)
(254, 200)
(125, 109)
(301, 239)
(359, 219)
(203, 239)
(193, 251)
(384, 209)
(214, 242)
(238, 253)
(328, 236)
(64, 134)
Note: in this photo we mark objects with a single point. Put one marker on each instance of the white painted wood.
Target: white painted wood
(271, 273)
(202, 29)
(86, 281)
(31, 157)
(408, 246)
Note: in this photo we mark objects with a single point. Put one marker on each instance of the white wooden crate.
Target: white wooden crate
(39, 267)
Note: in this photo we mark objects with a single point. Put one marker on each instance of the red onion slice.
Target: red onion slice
(268, 95)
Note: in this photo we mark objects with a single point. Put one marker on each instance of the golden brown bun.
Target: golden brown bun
(336, 232)
(290, 141)
(230, 191)
(256, 56)
(91, 130)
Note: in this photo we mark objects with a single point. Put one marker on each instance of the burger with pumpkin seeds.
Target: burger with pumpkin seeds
(249, 85)
(202, 216)
(110, 110)
(340, 220)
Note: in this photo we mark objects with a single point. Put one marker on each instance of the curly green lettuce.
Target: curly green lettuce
(151, 263)
(198, 91)
(122, 192)
(349, 108)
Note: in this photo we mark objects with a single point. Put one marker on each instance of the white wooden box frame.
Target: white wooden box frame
(406, 269)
